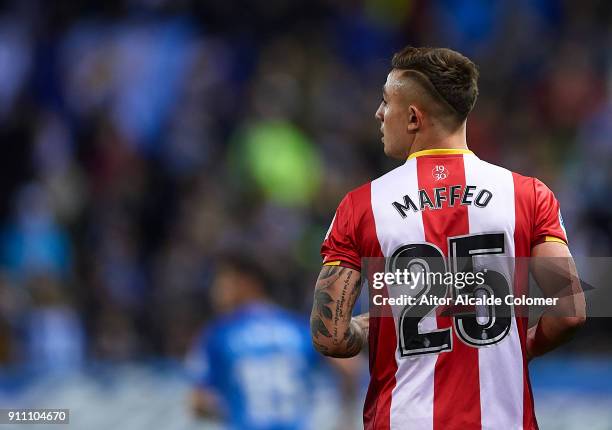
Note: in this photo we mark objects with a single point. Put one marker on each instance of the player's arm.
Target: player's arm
(204, 400)
(555, 272)
(333, 330)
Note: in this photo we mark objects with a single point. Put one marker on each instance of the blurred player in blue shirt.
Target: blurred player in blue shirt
(253, 366)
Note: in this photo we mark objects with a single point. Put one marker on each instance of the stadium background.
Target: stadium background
(140, 138)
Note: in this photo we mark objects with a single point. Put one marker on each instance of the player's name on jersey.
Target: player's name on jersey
(440, 197)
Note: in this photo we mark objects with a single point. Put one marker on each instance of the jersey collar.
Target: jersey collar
(439, 151)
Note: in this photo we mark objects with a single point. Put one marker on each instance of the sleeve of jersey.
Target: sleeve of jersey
(340, 246)
(548, 223)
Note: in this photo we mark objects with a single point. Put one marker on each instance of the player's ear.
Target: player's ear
(415, 119)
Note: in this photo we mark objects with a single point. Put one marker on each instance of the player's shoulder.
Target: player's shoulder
(357, 194)
(485, 171)
(278, 313)
(523, 184)
(273, 314)
(354, 203)
(529, 189)
(257, 315)
(530, 186)
(363, 193)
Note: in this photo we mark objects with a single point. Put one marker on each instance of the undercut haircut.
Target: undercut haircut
(449, 77)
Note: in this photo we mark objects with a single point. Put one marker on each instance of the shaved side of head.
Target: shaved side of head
(417, 89)
(448, 77)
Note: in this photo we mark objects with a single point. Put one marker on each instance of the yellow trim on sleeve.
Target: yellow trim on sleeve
(439, 151)
(554, 239)
(332, 263)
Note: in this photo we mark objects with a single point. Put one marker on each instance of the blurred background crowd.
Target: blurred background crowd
(140, 138)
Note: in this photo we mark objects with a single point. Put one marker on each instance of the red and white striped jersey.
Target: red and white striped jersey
(437, 199)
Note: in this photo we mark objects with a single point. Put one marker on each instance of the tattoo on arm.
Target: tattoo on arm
(333, 330)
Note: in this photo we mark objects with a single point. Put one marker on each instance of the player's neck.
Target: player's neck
(455, 140)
